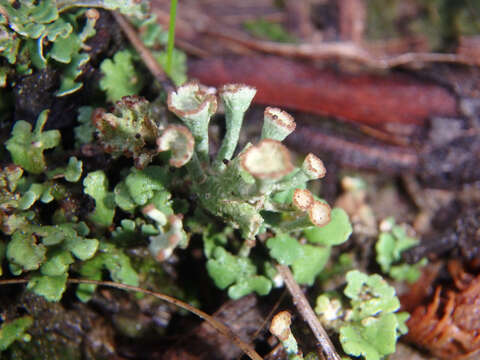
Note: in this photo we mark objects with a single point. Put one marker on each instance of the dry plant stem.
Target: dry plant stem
(269, 316)
(221, 328)
(342, 50)
(147, 57)
(199, 23)
(304, 308)
(267, 319)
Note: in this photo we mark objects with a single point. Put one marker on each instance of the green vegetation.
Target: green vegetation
(267, 30)
(15, 330)
(26, 147)
(36, 34)
(368, 323)
(65, 214)
(393, 240)
(120, 77)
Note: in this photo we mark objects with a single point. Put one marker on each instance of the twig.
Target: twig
(269, 315)
(267, 318)
(147, 57)
(201, 23)
(304, 308)
(342, 50)
(220, 327)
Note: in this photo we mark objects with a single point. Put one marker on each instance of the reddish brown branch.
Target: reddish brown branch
(367, 99)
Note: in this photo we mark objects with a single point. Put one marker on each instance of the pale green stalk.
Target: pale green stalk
(234, 120)
(237, 99)
(291, 348)
(195, 170)
(171, 35)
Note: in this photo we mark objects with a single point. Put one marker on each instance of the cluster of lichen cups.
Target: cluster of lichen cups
(237, 189)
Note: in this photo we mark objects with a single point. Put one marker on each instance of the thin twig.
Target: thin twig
(304, 308)
(316, 51)
(220, 327)
(341, 50)
(267, 318)
(147, 57)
